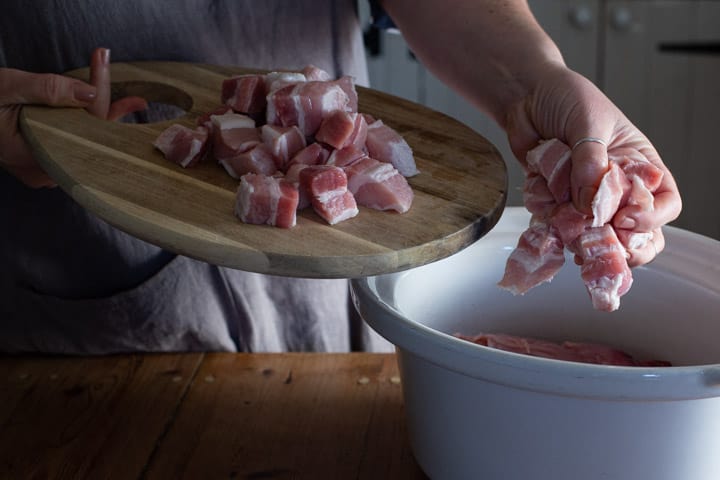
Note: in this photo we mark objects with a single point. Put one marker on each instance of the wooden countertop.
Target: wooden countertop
(228, 416)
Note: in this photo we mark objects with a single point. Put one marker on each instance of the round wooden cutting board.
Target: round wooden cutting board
(112, 169)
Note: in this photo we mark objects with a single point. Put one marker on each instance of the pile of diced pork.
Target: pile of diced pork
(555, 224)
(296, 140)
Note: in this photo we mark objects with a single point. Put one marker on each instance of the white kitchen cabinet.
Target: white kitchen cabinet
(658, 60)
(662, 67)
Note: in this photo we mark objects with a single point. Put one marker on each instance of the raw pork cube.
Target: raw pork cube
(305, 105)
(263, 199)
(379, 185)
(336, 208)
(182, 145)
(293, 176)
(633, 162)
(604, 267)
(551, 160)
(568, 222)
(277, 80)
(633, 240)
(230, 120)
(347, 84)
(205, 119)
(611, 194)
(342, 129)
(346, 156)
(232, 142)
(313, 154)
(385, 144)
(327, 187)
(537, 197)
(233, 134)
(284, 142)
(258, 160)
(245, 94)
(538, 257)
(312, 72)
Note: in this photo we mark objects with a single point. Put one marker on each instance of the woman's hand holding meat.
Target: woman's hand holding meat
(563, 104)
(495, 54)
(18, 88)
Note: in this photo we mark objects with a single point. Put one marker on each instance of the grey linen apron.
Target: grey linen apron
(71, 283)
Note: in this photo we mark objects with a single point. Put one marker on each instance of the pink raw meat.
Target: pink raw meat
(233, 134)
(582, 352)
(312, 72)
(284, 142)
(346, 156)
(537, 197)
(633, 240)
(630, 180)
(327, 186)
(633, 162)
(604, 269)
(341, 129)
(293, 175)
(258, 160)
(610, 195)
(551, 159)
(379, 185)
(386, 145)
(204, 120)
(347, 84)
(263, 199)
(245, 94)
(568, 222)
(539, 255)
(182, 145)
(305, 105)
(277, 80)
(313, 154)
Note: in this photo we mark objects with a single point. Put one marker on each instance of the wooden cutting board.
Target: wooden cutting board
(113, 170)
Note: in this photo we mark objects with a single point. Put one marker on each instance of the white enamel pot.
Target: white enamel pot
(478, 413)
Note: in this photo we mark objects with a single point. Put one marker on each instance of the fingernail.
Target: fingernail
(84, 92)
(105, 56)
(627, 223)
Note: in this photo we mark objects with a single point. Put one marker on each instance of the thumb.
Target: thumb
(589, 164)
(19, 87)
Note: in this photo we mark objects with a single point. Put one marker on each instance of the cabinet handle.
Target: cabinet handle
(621, 19)
(581, 17)
(695, 48)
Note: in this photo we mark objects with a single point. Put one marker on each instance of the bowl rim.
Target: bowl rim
(539, 374)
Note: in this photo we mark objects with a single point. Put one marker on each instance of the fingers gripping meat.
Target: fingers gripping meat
(557, 225)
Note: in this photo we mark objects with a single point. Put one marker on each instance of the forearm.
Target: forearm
(489, 51)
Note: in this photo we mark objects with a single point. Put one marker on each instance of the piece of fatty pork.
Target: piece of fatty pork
(556, 225)
(266, 200)
(182, 145)
(326, 185)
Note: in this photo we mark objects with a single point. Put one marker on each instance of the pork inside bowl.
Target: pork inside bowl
(479, 412)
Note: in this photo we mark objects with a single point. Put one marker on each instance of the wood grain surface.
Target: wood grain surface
(112, 169)
(211, 416)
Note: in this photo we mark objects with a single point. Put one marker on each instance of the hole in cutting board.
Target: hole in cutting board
(165, 102)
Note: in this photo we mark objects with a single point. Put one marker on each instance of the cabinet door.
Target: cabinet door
(662, 68)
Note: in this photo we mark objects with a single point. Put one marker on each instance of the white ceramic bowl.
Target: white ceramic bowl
(479, 413)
